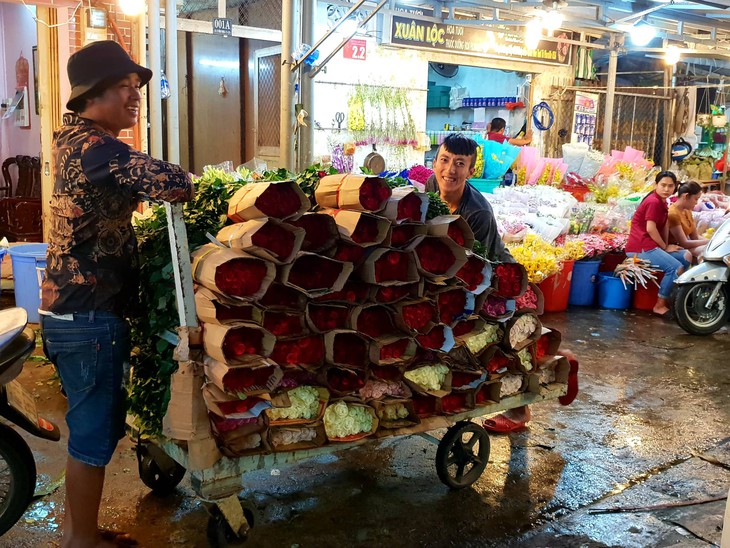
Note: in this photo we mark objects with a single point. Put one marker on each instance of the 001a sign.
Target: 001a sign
(356, 49)
(223, 25)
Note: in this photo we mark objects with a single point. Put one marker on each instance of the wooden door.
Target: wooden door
(267, 90)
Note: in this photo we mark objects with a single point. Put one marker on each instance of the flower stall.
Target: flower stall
(323, 325)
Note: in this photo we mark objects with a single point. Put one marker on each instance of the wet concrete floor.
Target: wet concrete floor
(651, 426)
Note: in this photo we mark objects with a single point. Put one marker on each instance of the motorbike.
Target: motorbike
(17, 406)
(702, 301)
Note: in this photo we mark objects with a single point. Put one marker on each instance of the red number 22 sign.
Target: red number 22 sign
(356, 49)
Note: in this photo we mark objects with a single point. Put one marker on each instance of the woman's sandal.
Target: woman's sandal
(502, 425)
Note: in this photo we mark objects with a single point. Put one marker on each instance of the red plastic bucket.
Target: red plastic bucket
(645, 297)
(556, 289)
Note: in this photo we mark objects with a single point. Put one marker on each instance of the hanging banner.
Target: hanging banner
(405, 31)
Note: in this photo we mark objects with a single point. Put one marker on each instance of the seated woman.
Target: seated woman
(682, 227)
(649, 237)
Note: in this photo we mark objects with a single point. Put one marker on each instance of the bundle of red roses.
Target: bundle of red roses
(394, 293)
(456, 234)
(235, 407)
(240, 277)
(400, 235)
(435, 257)
(345, 381)
(283, 324)
(472, 273)
(456, 402)
(366, 231)
(375, 321)
(352, 292)
(314, 272)
(242, 340)
(387, 372)
(434, 339)
(374, 193)
(461, 379)
(419, 315)
(464, 327)
(327, 317)
(320, 231)
(223, 424)
(410, 208)
(498, 363)
(393, 266)
(394, 350)
(425, 405)
(242, 379)
(229, 313)
(279, 201)
(349, 349)
(510, 279)
(494, 306)
(486, 394)
(303, 351)
(275, 239)
(283, 296)
(451, 305)
(350, 253)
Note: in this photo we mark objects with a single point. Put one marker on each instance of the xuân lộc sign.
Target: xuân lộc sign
(500, 43)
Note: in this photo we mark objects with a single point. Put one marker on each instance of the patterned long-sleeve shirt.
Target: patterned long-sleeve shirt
(92, 258)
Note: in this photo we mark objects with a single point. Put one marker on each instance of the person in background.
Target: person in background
(682, 227)
(649, 237)
(453, 166)
(495, 132)
(91, 273)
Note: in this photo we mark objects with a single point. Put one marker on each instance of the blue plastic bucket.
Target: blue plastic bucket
(611, 293)
(485, 185)
(27, 260)
(3, 252)
(583, 285)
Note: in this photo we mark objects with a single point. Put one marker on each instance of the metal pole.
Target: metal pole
(306, 140)
(286, 121)
(668, 118)
(173, 113)
(610, 90)
(154, 91)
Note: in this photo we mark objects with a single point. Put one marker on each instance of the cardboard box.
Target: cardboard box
(209, 257)
(241, 235)
(439, 226)
(344, 272)
(216, 309)
(242, 205)
(342, 191)
(186, 417)
(401, 193)
(215, 335)
(366, 270)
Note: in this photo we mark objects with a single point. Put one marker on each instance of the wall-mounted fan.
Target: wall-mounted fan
(445, 70)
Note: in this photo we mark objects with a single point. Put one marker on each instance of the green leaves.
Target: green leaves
(436, 206)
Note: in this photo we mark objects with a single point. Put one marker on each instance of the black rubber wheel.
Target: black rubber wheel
(462, 455)
(17, 478)
(220, 534)
(162, 478)
(692, 313)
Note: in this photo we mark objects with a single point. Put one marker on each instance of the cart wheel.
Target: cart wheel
(220, 533)
(462, 455)
(160, 473)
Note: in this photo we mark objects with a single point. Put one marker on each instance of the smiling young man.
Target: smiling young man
(453, 166)
(91, 273)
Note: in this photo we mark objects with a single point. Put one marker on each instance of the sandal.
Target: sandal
(502, 425)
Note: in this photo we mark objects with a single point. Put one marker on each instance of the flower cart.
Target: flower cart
(309, 348)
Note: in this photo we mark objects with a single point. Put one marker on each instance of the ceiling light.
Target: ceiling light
(642, 34)
(131, 7)
(533, 34)
(672, 55)
(552, 20)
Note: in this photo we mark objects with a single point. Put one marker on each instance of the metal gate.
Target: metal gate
(267, 108)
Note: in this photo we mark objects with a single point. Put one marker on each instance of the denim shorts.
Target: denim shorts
(91, 353)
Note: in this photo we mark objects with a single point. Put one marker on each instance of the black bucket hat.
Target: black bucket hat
(100, 64)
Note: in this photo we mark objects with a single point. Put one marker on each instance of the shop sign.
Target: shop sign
(356, 48)
(413, 10)
(500, 43)
(223, 26)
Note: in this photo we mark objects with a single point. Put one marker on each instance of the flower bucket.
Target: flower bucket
(583, 284)
(556, 288)
(645, 297)
(612, 294)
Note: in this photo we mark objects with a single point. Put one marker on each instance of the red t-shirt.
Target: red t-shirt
(653, 208)
(499, 137)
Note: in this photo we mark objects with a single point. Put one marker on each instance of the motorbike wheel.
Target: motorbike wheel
(692, 313)
(17, 477)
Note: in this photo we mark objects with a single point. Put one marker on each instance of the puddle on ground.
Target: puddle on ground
(42, 515)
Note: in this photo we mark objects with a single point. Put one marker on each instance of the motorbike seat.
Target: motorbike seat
(14, 354)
